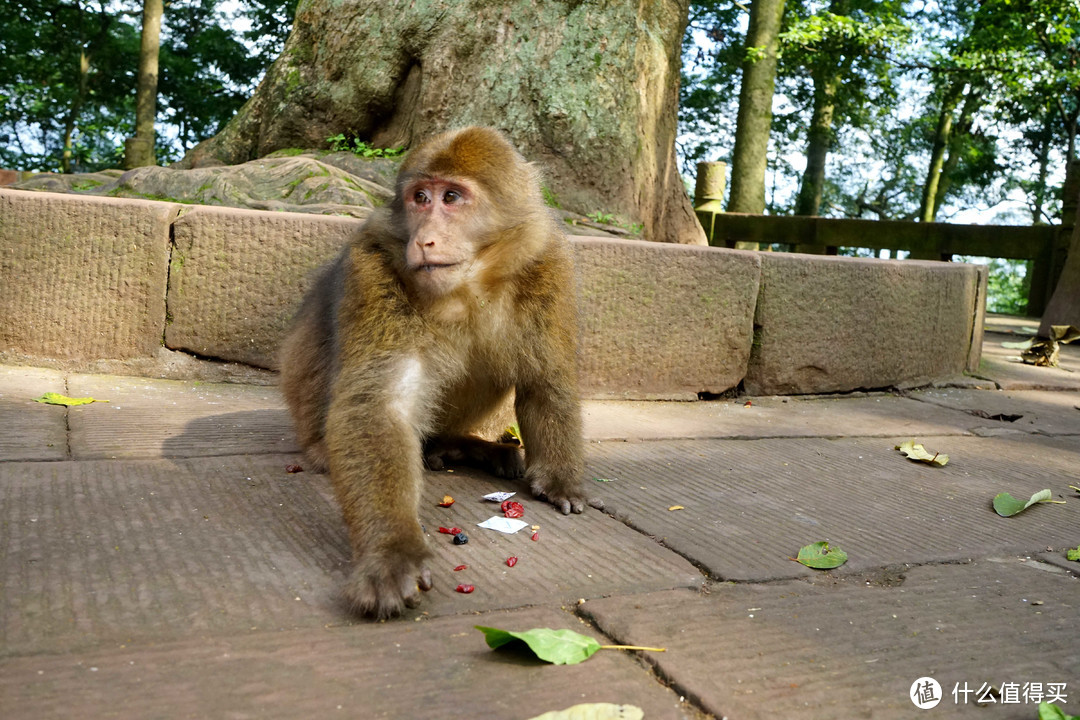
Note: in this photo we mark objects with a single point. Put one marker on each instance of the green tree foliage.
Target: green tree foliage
(67, 76)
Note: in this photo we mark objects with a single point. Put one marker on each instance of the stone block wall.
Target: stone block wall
(89, 278)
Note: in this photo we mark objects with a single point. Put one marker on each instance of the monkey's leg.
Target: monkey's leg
(549, 415)
(501, 459)
(376, 470)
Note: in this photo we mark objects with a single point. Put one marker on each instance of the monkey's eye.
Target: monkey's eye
(451, 196)
(420, 197)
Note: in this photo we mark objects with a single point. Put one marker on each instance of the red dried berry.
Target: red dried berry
(512, 509)
(536, 536)
(293, 469)
(450, 531)
(511, 561)
(465, 589)
(460, 567)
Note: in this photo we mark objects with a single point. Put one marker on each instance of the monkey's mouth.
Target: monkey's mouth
(432, 267)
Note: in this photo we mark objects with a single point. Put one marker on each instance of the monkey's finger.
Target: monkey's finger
(424, 582)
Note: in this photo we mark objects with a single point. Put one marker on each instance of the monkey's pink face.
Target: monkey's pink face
(442, 219)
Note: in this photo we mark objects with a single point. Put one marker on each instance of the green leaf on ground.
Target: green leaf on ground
(1006, 505)
(52, 398)
(915, 451)
(821, 557)
(595, 711)
(1053, 712)
(559, 647)
(1072, 554)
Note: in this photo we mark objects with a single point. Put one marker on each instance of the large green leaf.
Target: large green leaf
(1006, 505)
(560, 647)
(1053, 712)
(821, 557)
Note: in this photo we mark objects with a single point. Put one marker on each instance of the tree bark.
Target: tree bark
(1064, 305)
(928, 208)
(73, 113)
(818, 141)
(139, 150)
(959, 132)
(588, 90)
(754, 120)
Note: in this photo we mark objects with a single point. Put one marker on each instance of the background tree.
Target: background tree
(588, 90)
(67, 76)
(139, 150)
(843, 50)
(749, 157)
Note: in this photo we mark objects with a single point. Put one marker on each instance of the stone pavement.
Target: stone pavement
(158, 561)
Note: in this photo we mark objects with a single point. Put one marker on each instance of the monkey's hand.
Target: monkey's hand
(383, 585)
(563, 490)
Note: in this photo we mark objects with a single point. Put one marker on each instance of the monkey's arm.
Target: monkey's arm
(375, 467)
(373, 438)
(546, 396)
(549, 415)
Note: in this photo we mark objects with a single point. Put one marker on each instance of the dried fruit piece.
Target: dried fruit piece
(460, 538)
(511, 561)
(465, 589)
(535, 536)
(450, 531)
(447, 501)
(293, 468)
(460, 567)
(512, 509)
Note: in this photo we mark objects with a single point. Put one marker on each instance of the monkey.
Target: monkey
(453, 298)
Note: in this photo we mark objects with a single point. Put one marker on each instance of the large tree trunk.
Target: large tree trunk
(1064, 305)
(139, 150)
(589, 91)
(754, 121)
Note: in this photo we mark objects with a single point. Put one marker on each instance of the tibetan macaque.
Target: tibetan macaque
(458, 294)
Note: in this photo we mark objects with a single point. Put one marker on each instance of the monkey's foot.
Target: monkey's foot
(565, 495)
(501, 459)
(382, 588)
(317, 457)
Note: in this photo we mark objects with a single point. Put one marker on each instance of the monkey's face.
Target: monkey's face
(443, 219)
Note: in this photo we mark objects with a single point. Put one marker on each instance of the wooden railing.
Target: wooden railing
(1044, 245)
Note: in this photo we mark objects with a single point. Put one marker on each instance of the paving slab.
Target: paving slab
(31, 430)
(852, 647)
(110, 551)
(748, 506)
(1004, 366)
(1039, 411)
(175, 418)
(875, 414)
(438, 669)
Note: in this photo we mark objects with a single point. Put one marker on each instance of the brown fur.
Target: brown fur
(392, 358)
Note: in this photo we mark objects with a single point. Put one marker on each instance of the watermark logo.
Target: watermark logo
(925, 693)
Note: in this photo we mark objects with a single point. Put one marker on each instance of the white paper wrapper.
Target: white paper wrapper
(503, 524)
